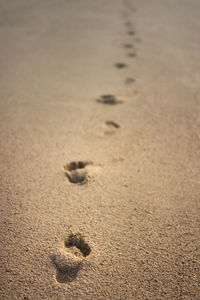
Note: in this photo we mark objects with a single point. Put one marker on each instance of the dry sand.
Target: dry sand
(130, 229)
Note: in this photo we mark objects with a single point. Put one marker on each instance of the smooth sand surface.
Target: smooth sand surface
(121, 222)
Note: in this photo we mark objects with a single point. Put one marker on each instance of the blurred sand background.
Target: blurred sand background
(139, 210)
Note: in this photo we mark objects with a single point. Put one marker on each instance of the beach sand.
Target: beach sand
(99, 147)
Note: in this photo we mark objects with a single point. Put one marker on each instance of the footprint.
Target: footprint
(129, 80)
(67, 266)
(109, 100)
(133, 54)
(128, 24)
(68, 263)
(112, 127)
(76, 171)
(128, 46)
(77, 241)
(112, 124)
(131, 32)
(80, 171)
(120, 65)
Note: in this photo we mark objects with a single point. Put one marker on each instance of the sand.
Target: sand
(100, 146)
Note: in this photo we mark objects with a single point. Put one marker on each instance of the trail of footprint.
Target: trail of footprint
(109, 100)
(68, 263)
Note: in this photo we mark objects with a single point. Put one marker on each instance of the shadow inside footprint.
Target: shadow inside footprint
(67, 266)
(109, 99)
(64, 277)
(111, 127)
(77, 165)
(76, 240)
(76, 172)
(120, 65)
(112, 124)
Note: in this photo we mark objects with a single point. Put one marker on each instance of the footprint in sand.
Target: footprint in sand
(132, 54)
(129, 80)
(129, 46)
(69, 259)
(131, 32)
(111, 127)
(127, 24)
(121, 65)
(80, 171)
(109, 100)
